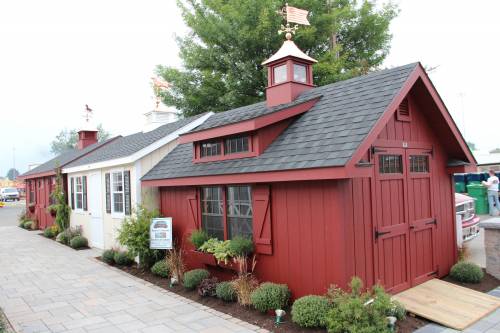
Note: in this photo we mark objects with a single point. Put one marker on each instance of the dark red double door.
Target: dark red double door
(405, 224)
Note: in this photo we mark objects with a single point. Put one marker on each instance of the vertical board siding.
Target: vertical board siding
(310, 224)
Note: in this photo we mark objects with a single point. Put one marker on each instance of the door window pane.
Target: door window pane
(390, 164)
(211, 212)
(279, 74)
(299, 73)
(239, 211)
(419, 163)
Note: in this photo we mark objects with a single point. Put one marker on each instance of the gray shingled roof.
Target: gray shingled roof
(130, 144)
(327, 135)
(64, 158)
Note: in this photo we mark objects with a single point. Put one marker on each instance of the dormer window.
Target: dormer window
(280, 74)
(211, 148)
(299, 73)
(237, 144)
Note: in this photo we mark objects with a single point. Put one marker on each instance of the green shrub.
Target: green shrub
(225, 291)
(160, 268)
(51, 232)
(207, 287)
(198, 237)
(350, 314)
(467, 272)
(134, 234)
(123, 258)
(64, 237)
(28, 225)
(241, 246)
(108, 256)
(270, 296)
(310, 311)
(78, 242)
(194, 277)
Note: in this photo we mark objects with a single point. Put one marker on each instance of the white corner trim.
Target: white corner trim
(143, 152)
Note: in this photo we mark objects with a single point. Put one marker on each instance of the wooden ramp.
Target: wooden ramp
(447, 304)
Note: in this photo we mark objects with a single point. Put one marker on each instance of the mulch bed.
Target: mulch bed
(410, 324)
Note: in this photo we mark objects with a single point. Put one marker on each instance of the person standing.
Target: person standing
(492, 185)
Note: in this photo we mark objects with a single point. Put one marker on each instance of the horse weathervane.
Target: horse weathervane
(292, 15)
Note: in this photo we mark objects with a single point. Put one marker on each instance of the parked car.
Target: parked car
(465, 206)
(9, 193)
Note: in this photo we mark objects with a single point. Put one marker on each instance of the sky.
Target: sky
(58, 55)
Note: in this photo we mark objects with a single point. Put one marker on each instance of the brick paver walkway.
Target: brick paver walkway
(48, 287)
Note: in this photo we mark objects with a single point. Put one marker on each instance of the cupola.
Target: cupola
(87, 135)
(289, 72)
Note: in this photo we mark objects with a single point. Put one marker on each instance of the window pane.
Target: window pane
(299, 73)
(210, 149)
(118, 202)
(390, 164)
(79, 200)
(419, 163)
(117, 182)
(279, 74)
(236, 145)
(211, 212)
(239, 211)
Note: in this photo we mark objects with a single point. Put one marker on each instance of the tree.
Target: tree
(229, 39)
(67, 139)
(471, 145)
(12, 174)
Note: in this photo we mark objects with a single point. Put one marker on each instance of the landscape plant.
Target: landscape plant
(310, 311)
(28, 225)
(65, 236)
(245, 283)
(225, 291)
(78, 242)
(358, 311)
(108, 256)
(207, 287)
(175, 262)
(241, 246)
(270, 296)
(51, 232)
(123, 258)
(467, 272)
(60, 206)
(194, 277)
(198, 238)
(161, 269)
(134, 235)
(220, 249)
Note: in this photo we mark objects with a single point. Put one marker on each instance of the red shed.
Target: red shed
(351, 178)
(40, 181)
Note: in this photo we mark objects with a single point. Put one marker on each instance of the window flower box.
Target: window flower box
(31, 207)
(203, 257)
(230, 265)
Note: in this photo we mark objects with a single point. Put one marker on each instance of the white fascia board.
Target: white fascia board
(141, 153)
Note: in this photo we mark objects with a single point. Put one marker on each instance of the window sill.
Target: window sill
(117, 216)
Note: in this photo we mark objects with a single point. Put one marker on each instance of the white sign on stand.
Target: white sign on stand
(160, 233)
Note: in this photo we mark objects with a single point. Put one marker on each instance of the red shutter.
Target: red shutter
(193, 208)
(262, 232)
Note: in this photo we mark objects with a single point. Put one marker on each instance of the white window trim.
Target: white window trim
(116, 215)
(74, 193)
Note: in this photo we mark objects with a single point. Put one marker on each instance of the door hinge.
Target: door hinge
(377, 150)
(380, 233)
(434, 221)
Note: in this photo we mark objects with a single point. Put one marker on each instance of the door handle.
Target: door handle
(380, 233)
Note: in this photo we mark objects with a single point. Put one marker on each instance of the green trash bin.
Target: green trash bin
(479, 193)
(460, 187)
